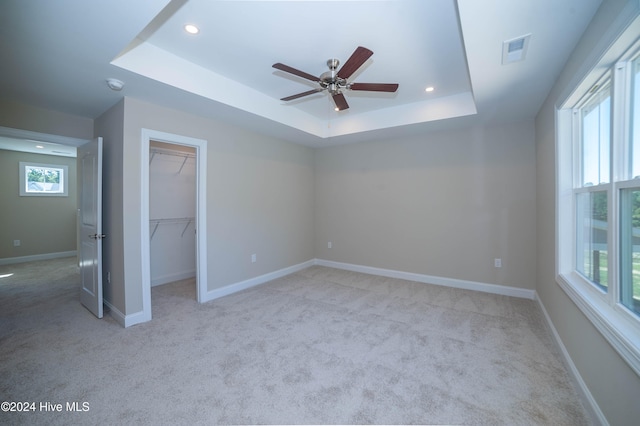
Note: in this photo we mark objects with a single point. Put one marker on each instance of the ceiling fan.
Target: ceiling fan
(336, 82)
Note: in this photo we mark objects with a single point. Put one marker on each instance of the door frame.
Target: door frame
(200, 146)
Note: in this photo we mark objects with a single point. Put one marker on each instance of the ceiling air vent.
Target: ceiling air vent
(515, 50)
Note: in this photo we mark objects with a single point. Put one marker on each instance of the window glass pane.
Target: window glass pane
(591, 235)
(44, 179)
(595, 131)
(630, 248)
(635, 119)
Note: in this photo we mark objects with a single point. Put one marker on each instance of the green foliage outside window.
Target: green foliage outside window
(600, 206)
(43, 175)
(635, 214)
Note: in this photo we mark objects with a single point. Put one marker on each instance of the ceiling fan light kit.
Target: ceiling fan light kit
(335, 82)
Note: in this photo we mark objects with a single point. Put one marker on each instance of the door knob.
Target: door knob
(97, 236)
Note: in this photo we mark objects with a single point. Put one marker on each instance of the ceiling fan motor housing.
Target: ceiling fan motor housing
(329, 80)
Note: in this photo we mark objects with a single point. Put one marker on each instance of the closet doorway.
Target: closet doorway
(173, 213)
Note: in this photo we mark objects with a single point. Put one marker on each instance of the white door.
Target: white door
(90, 215)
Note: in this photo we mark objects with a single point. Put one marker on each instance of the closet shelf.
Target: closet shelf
(185, 155)
(174, 220)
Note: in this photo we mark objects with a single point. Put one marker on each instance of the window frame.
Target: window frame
(618, 324)
(64, 177)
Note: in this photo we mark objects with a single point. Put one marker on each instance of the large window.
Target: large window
(599, 201)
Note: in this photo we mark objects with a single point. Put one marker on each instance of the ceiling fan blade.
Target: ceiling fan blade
(340, 101)
(299, 95)
(290, 70)
(374, 87)
(356, 60)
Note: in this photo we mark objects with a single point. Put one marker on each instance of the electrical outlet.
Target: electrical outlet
(497, 263)
(253, 258)
(329, 245)
(16, 243)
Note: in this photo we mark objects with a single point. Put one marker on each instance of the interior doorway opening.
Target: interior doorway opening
(31, 239)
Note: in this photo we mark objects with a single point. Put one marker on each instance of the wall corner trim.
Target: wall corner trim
(588, 400)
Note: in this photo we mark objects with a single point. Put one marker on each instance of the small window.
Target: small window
(43, 180)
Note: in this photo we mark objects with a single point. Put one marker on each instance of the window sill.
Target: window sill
(614, 323)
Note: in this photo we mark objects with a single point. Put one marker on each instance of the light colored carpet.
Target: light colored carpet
(321, 346)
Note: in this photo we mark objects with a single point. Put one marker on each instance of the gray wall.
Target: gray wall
(35, 119)
(612, 383)
(44, 225)
(259, 198)
(109, 126)
(443, 204)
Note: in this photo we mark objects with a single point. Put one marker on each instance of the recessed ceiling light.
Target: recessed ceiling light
(191, 29)
(39, 146)
(336, 109)
(429, 89)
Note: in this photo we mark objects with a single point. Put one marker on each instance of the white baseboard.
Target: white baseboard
(448, 282)
(126, 320)
(178, 276)
(243, 285)
(590, 403)
(429, 279)
(115, 313)
(139, 317)
(136, 318)
(36, 257)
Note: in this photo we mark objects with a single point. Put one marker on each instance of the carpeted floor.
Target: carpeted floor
(321, 346)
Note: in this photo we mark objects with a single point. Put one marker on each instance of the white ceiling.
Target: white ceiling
(58, 54)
